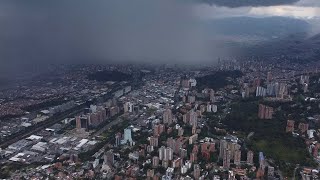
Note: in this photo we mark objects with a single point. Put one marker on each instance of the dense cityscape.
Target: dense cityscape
(160, 89)
(233, 120)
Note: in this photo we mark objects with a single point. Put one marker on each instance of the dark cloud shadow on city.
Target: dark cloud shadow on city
(36, 33)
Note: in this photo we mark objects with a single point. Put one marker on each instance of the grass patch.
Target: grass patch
(279, 150)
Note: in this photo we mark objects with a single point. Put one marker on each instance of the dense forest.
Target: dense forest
(218, 79)
(269, 136)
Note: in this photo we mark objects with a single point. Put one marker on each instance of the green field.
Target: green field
(278, 150)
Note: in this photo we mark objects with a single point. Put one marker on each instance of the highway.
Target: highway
(57, 118)
(38, 127)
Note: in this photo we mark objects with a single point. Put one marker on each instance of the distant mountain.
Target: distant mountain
(264, 28)
(239, 3)
(298, 47)
(315, 39)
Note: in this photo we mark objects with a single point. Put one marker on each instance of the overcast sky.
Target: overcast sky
(39, 32)
(303, 9)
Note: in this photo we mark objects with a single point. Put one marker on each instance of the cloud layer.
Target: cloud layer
(37, 32)
(303, 9)
(241, 3)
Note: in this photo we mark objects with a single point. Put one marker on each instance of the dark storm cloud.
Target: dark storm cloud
(309, 3)
(239, 3)
(39, 32)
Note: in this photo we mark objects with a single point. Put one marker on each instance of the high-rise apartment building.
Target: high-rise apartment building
(265, 112)
(196, 171)
(127, 136)
(155, 161)
(167, 116)
(290, 126)
(161, 153)
(237, 157)
(154, 141)
(222, 148)
(250, 158)
(303, 127)
(226, 158)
